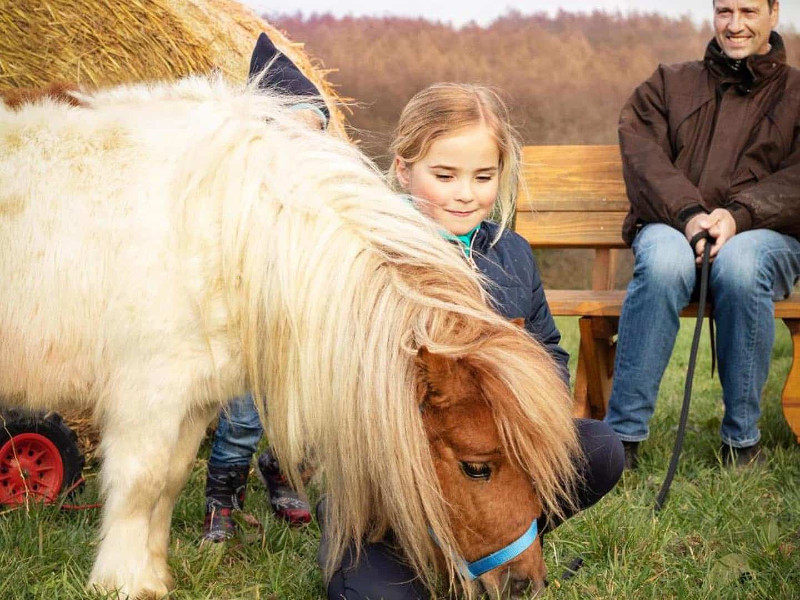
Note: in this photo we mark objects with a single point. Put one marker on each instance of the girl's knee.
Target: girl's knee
(603, 453)
(380, 574)
(357, 587)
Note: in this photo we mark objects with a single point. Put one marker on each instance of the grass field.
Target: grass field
(722, 535)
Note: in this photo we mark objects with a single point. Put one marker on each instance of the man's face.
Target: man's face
(742, 27)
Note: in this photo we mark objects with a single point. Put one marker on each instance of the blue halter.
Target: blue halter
(483, 565)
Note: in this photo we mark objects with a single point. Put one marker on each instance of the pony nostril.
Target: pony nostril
(518, 587)
(525, 588)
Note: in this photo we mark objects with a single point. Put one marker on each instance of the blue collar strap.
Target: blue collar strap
(483, 565)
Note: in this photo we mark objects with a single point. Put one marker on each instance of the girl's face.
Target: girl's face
(456, 181)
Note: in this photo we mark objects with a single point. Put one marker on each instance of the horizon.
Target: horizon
(463, 12)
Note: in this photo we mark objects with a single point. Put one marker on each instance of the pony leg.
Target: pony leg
(182, 458)
(138, 442)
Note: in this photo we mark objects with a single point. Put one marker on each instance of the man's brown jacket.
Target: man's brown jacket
(715, 133)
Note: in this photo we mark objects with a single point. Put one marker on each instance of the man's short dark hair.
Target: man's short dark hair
(770, 3)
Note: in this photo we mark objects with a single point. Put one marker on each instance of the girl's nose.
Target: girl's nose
(464, 193)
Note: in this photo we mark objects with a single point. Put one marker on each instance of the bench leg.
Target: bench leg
(580, 404)
(595, 366)
(791, 390)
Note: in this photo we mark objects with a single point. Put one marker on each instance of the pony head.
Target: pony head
(490, 496)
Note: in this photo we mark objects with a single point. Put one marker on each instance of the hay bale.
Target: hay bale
(106, 42)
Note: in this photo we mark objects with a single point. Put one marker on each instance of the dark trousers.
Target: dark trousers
(382, 573)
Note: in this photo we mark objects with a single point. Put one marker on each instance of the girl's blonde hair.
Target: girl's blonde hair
(443, 108)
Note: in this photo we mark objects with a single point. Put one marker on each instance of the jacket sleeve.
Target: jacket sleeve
(658, 191)
(540, 325)
(774, 201)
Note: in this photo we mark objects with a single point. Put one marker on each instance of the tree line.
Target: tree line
(564, 77)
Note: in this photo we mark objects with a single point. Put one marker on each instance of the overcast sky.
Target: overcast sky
(459, 12)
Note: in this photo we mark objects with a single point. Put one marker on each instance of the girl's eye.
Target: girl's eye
(485, 178)
(443, 177)
(476, 470)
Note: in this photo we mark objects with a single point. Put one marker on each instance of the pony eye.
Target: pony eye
(475, 470)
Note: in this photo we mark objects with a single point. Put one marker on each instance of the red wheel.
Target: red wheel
(39, 457)
(30, 467)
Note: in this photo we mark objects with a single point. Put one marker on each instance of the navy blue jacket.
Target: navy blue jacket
(517, 288)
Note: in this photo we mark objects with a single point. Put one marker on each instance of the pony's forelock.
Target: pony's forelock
(532, 408)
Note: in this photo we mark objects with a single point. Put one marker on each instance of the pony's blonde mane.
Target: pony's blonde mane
(331, 283)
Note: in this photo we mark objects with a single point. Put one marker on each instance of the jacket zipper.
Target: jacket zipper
(468, 255)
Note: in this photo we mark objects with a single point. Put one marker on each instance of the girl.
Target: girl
(456, 155)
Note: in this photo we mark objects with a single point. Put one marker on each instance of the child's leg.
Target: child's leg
(382, 573)
(235, 441)
(600, 471)
(238, 433)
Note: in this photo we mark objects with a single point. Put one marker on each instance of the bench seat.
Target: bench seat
(608, 303)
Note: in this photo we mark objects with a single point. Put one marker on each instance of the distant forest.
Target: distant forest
(565, 77)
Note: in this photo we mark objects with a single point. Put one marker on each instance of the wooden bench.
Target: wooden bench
(577, 200)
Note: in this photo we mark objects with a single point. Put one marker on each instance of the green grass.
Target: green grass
(722, 535)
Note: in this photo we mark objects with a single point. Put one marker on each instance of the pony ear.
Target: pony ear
(519, 322)
(435, 371)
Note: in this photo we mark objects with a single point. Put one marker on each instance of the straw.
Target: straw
(97, 43)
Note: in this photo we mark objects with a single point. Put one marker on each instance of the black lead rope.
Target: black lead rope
(687, 392)
(578, 561)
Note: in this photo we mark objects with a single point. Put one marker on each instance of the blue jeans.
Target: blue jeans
(238, 433)
(751, 270)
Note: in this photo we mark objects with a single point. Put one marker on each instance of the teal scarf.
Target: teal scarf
(465, 241)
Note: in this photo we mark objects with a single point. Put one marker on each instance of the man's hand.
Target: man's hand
(720, 226)
(723, 229)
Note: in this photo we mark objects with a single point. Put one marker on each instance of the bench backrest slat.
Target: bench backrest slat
(575, 197)
(571, 229)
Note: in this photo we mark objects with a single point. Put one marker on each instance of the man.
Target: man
(711, 145)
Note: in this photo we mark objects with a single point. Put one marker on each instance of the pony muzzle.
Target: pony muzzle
(508, 587)
(505, 584)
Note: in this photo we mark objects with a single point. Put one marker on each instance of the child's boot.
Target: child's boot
(285, 501)
(225, 491)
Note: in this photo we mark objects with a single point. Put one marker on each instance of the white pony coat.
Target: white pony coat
(170, 247)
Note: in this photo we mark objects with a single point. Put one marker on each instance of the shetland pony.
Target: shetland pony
(165, 248)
